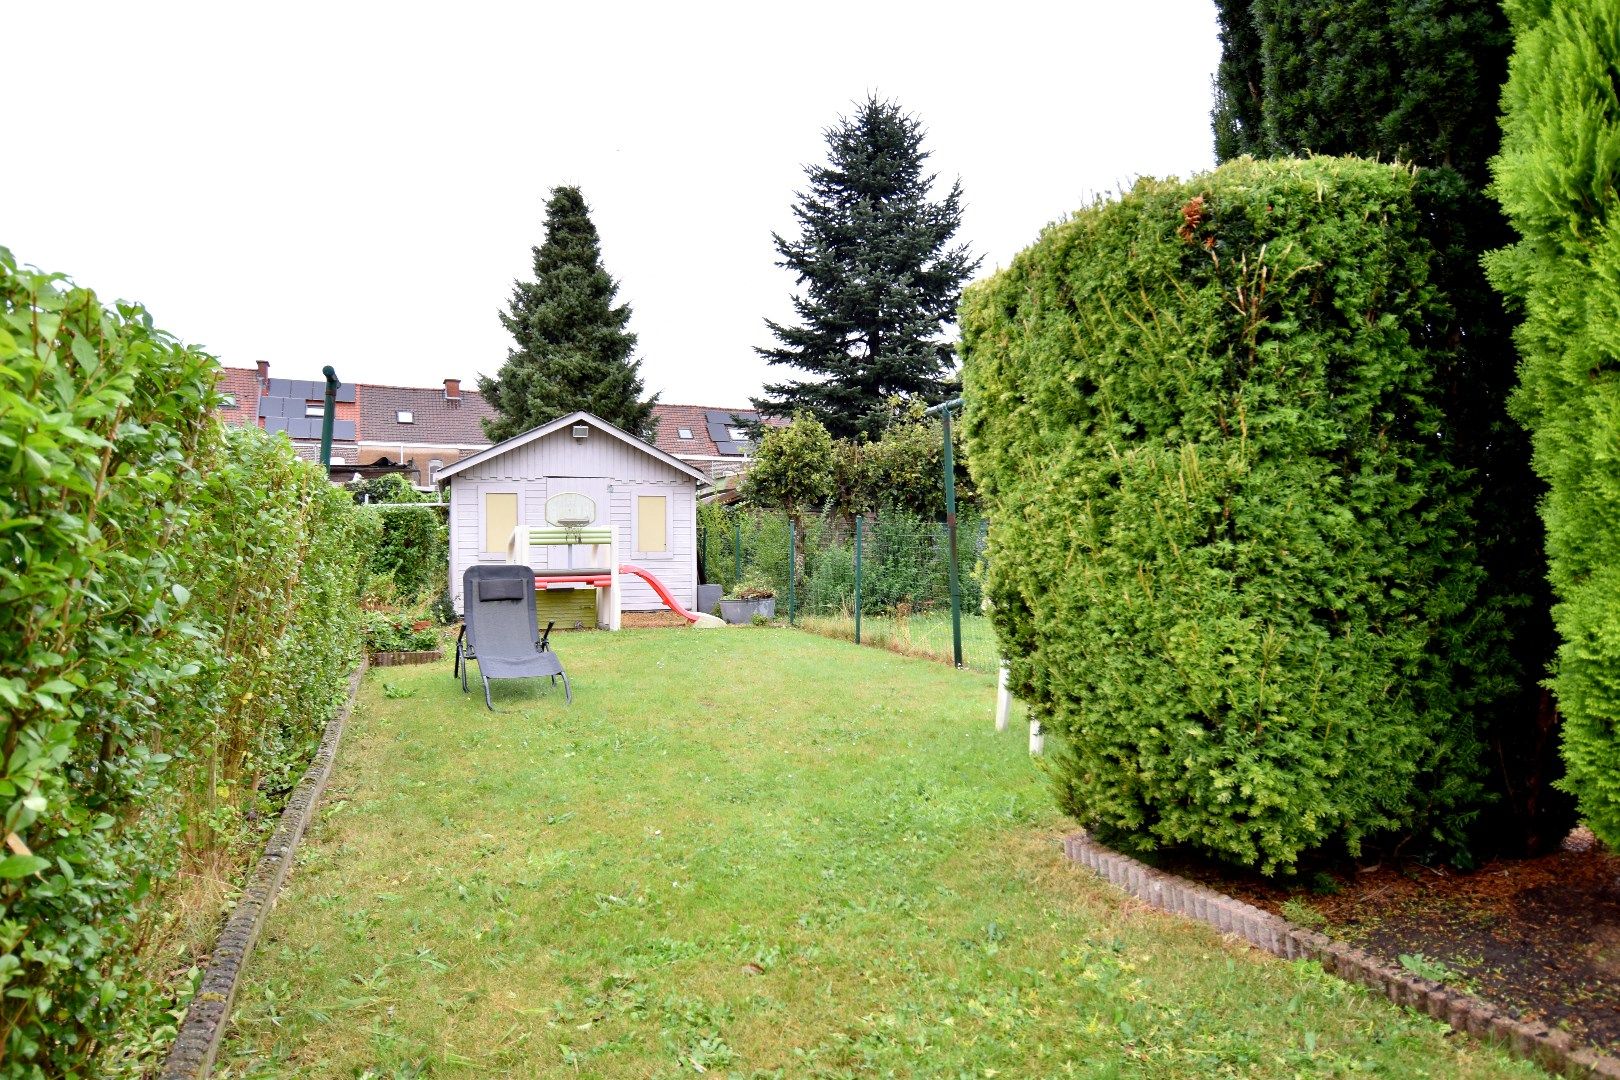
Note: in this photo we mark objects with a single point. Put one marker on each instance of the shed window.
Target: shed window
(404, 416)
(652, 523)
(685, 433)
(500, 518)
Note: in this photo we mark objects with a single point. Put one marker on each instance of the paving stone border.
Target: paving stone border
(1553, 1049)
(192, 1055)
(397, 658)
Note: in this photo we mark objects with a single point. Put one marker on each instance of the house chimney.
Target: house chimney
(452, 389)
(264, 373)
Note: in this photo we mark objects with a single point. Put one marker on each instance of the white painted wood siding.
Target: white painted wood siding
(546, 466)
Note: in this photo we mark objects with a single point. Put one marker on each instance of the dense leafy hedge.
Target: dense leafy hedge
(1230, 560)
(1556, 180)
(412, 557)
(177, 613)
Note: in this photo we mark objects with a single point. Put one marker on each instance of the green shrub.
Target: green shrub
(830, 587)
(413, 551)
(168, 592)
(392, 631)
(100, 415)
(1230, 561)
(1555, 179)
(412, 556)
(717, 544)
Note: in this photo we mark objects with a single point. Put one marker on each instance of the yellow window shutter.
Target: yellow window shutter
(652, 528)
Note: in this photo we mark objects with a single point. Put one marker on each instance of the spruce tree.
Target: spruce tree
(571, 349)
(878, 274)
(1417, 81)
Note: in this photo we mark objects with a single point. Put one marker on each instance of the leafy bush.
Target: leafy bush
(831, 584)
(1555, 179)
(793, 467)
(166, 592)
(390, 631)
(412, 558)
(1231, 563)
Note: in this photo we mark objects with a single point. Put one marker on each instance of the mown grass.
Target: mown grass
(748, 853)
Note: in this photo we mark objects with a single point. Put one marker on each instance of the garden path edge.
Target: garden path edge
(201, 1032)
(1555, 1050)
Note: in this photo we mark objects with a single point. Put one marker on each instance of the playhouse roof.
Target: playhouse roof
(579, 417)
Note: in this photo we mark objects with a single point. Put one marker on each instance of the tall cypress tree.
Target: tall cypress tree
(879, 278)
(1417, 81)
(571, 349)
(1556, 178)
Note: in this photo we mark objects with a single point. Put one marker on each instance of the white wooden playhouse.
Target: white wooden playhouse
(647, 497)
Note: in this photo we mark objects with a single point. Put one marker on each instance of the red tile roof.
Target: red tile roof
(673, 419)
(240, 385)
(435, 419)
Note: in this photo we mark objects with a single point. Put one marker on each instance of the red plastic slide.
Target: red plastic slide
(658, 587)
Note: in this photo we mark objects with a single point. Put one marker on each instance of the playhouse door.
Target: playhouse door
(596, 489)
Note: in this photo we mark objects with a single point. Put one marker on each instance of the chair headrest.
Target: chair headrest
(512, 588)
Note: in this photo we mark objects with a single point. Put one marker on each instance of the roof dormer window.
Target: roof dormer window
(737, 434)
(685, 433)
(404, 416)
(227, 401)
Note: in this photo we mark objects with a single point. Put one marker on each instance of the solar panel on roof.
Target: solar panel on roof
(308, 390)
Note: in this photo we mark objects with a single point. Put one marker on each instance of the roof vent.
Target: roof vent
(581, 430)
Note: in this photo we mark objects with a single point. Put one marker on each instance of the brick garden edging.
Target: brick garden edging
(1554, 1050)
(398, 658)
(192, 1055)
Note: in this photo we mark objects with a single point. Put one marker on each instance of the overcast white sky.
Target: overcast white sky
(359, 185)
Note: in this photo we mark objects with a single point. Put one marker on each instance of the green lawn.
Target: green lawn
(749, 853)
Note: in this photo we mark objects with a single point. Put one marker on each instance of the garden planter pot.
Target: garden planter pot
(708, 596)
(396, 659)
(741, 612)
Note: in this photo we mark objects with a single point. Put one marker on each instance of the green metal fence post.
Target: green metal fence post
(950, 528)
(793, 567)
(736, 549)
(858, 520)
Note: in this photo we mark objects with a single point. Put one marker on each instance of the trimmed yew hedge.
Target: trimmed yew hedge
(178, 613)
(1231, 562)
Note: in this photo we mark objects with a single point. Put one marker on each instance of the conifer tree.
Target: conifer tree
(571, 349)
(1417, 81)
(1556, 180)
(878, 274)
(1410, 80)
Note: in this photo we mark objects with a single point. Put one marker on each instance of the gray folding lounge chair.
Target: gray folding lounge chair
(502, 629)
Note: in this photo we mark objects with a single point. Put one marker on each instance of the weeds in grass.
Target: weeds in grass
(1301, 913)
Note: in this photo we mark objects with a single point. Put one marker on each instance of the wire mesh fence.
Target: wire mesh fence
(881, 580)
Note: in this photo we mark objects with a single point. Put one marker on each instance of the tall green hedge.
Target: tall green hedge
(1557, 177)
(177, 613)
(1230, 560)
(1416, 81)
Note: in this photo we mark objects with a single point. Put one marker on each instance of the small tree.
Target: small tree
(793, 468)
(880, 278)
(571, 349)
